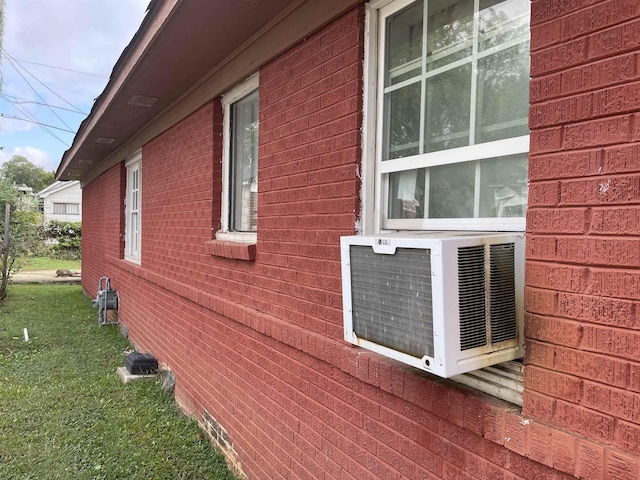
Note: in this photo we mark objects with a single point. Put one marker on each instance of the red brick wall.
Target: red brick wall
(102, 225)
(583, 329)
(257, 345)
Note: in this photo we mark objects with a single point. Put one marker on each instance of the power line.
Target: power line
(13, 62)
(61, 68)
(13, 117)
(31, 86)
(26, 112)
(22, 101)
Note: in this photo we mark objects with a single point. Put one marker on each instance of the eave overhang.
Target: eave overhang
(179, 44)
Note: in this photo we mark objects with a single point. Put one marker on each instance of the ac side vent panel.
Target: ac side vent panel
(502, 292)
(472, 297)
(391, 299)
(445, 302)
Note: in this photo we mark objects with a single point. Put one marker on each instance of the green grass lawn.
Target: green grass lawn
(64, 414)
(46, 263)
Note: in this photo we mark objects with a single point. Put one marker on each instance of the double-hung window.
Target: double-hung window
(66, 208)
(451, 108)
(239, 218)
(446, 138)
(132, 207)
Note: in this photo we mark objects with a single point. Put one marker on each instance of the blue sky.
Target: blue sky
(73, 36)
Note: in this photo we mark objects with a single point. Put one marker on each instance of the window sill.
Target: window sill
(230, 249)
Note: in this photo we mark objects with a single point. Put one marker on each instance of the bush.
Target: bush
(67, 236)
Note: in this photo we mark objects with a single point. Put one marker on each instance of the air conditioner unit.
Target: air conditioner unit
(444, 302)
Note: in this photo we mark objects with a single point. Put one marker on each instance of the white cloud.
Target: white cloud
(34, 155)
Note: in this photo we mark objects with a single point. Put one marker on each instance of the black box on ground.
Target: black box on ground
(141, 363)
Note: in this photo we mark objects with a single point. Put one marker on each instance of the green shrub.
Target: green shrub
(67, 236)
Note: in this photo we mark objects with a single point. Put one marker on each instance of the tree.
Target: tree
(21, 171)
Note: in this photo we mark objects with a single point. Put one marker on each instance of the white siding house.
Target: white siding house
(62, 201)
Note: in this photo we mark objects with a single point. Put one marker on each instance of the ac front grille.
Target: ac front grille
(391, 299)
(502, 292)
(472, 297)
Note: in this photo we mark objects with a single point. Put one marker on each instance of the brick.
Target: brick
(515, 433)
(545, 88)
(546, 140)
(601, 310)
(593, 366)
(544, 194)
(595, 133)
(557, 221)
(494, 418)
(563, 278)
(587, 422)
(590, 462)
(545, 10)
(614, 401)
(627, 437)
(555, 330)
(540, 354)
(597, 251)
(560, 56)
(612, 341)
(564, 447)
(540, 444)
(622, 159)
(545, 34)
(554, 384)
(616, 283)
(615, 221)
(599, 74)
(598, 17)
(619, 39)
(607, 190)
(538, 406)
(540, 301)
(620, 466)
(565, 165)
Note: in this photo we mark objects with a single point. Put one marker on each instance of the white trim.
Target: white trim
(504, 380)
(499, 148)
(236, 93)
(132, 246)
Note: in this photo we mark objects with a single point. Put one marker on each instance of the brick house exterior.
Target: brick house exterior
(253, 331)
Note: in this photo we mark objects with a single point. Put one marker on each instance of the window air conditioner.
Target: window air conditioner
(444, 302)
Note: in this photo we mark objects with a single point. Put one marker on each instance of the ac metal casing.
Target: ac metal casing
(444, 302)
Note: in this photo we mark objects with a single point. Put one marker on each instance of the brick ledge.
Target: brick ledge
(235, 250)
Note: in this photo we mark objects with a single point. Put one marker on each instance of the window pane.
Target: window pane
(404, 45)
(451, 190)
(407, 194)
(502, 21)
(502, 103)
(449, 32)
(244, 164)
(503, 188)
(448, 104)
(403, 122)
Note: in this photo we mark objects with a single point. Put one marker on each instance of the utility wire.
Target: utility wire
(13, 63)
(61, 68)
(13, 117)
(43, 126)
(34, 90)
(23, 101)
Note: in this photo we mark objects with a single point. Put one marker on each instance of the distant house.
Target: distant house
(239, 148)
(62, 201)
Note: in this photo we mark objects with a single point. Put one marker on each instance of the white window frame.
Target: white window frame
(374, 193)
(67, 208)
(133, 210)
(228, 99)
(505, 380)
